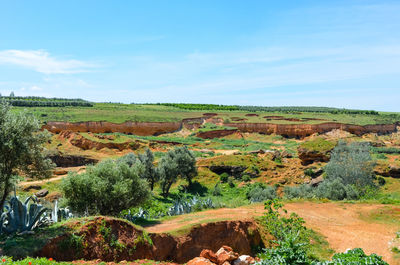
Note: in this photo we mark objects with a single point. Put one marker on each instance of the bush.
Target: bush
(246, 178)
(336, 190)
(352, 163)
(217, 190)
(259, 192)
(231, 182)
(224, 177)
(354, 256)
(302, 191)
(107, 188)
(288, 251)
(381, 181)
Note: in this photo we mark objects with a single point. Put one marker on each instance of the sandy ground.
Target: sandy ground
(341, 224)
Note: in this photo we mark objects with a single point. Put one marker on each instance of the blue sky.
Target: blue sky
(273, 53)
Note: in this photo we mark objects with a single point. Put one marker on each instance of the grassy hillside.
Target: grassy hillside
(118, 113)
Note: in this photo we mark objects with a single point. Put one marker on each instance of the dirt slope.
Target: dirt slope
(341, 224)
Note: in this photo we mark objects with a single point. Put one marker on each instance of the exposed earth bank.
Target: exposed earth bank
(157, 128)
(111, 239)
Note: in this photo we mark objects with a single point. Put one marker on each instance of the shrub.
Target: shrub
(288, 251)
(224, 177)
(381, 181)
(302, 191)
(246, 178)
(217, 190)
(352, 163)
(336, 190)
(107, 188)
(231, 182)
(354, 256)
(259, 192)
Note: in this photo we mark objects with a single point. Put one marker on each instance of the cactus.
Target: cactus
(21, 217)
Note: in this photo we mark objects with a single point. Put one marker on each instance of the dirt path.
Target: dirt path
(341, 224)
(79, 169)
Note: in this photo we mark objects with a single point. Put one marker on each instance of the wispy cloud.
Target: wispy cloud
(42, 62)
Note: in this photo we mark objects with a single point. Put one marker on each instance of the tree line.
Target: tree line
(45, 102)
(289, 109)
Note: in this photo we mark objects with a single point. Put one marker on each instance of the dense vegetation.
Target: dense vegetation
(21, 149)
(349, 175)
(46, 102)
(292, 109)
(107, 188)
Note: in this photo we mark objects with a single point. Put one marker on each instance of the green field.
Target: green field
(118, 113)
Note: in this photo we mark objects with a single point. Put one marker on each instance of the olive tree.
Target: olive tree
(22, 149)
(176, 163)
(149, 172)
(106, 188)
(146, 161)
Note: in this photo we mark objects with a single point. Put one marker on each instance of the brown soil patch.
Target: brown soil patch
(210, 114)
(251, 115)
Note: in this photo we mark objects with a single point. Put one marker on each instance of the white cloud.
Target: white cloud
(42, 62)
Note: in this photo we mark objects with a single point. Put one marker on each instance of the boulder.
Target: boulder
(310, 156)
(60, 172)
(226, 253)
(32, 187)
(209, 254)
(200, 261)
(42, 193)
(315, 182)
(244, 260)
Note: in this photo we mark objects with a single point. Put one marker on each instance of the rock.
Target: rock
(259, 151)
(226, 253)
(200, 261)
(59, 172)
(32, 187)
(285, 154)
(53, 196)
(244, 260)
(315, 182)
(310, 156)
(42, 193)
(209, 254)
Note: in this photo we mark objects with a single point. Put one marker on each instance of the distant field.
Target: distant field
(118, 113)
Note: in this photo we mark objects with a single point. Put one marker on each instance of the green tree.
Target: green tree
(106, 188)
(12, 94)
(176, 163)
(186, 162)
(149, 172)
(167, 170)
(21, 149)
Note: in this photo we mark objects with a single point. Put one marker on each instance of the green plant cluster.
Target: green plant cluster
(385, 150)
(31, 261)
(259, 192)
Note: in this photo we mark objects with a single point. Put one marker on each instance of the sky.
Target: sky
(337, 53)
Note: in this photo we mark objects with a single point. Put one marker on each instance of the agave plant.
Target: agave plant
(21, 217)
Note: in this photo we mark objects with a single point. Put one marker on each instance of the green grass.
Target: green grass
(118, 113)
(319, 145)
